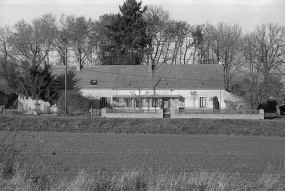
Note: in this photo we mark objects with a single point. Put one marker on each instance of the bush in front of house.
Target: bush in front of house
(77, 104)
(269, 105)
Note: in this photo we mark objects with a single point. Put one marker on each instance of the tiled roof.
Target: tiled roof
(140, 77)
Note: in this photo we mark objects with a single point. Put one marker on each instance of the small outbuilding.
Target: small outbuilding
(280, 109)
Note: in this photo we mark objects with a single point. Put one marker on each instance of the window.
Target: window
(56, 83)
(138, 102)
(143, 102)
(202, 102)
(148, 103)
(93, 82)
(154, 102)
(115, 102)
(122, 102)
(181, 104)
(128, 102)
(103, 102)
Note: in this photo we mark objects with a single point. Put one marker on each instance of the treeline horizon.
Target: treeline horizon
(148, 35)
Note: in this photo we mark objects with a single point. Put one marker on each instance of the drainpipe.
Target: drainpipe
(111, 98)
(220, 99)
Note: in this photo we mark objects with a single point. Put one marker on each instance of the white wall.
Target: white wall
(28, 105)
(189, 100)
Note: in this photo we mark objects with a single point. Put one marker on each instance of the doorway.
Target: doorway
(166, 107)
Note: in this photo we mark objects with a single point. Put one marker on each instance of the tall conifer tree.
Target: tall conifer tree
(36, 83)
(127, 32)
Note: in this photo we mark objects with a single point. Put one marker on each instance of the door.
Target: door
(166, 107)
(103, 102)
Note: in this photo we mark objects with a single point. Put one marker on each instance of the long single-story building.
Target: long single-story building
(148, 86)
(280, 109)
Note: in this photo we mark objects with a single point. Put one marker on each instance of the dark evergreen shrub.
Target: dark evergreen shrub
(36, 83)
(268, 106)
(77, 104)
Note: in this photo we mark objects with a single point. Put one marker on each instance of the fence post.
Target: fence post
(160, 111)
(103, 112)
(91, 108)
(261, 114)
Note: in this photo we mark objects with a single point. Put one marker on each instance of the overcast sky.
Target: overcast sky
(246, 13)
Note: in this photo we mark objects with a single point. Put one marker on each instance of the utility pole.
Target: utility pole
(155, 94)
(65, 81)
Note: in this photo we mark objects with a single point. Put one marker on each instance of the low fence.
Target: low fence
(217, 114)
(95, 112)
(183, 113)
(174, 113)
(5, 111)
(131, 113)
(216, 111)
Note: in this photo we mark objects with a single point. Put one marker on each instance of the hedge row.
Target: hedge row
(149, 126)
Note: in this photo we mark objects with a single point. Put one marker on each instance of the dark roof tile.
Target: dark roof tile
(139, 77)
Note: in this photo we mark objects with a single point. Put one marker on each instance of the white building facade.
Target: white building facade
(149, 87)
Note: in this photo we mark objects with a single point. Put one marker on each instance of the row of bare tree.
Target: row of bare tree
(259, 54)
